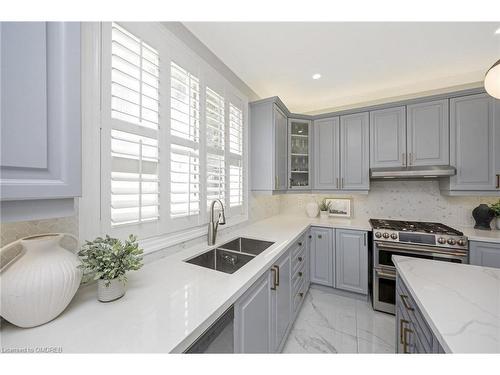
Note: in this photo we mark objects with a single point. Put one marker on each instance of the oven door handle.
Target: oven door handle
(420, 249)
(385, 274)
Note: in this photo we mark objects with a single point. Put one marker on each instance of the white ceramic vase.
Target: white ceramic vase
(39, 281)
(312, 209)
(114, 290)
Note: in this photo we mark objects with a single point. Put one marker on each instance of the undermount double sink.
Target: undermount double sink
(232, 255)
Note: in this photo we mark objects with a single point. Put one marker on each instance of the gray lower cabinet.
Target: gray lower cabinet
(355, 152)
(351, 260)
(326, 154)
(280, 301)
(322, 255)
(252, 318)
(428, 133)
(413, 334)
(388, 137)
(485, 254)
(475, 143)
(40, 111)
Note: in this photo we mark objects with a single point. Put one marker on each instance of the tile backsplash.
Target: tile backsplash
(410, 200)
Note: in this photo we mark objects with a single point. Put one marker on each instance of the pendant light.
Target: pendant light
(492, 80)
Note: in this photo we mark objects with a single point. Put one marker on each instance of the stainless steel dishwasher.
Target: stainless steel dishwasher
(218, 338)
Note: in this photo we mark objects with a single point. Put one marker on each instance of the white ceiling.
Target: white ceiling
(359, 62)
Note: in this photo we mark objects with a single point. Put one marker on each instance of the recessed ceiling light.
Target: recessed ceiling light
(316, 76)
(498, 31)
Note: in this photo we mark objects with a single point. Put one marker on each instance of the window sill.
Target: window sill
(158, 243)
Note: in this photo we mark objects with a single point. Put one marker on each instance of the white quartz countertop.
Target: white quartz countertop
(169, 303)
(460, 302)
(482, 235)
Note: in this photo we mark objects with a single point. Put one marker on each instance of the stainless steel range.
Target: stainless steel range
(414, 239)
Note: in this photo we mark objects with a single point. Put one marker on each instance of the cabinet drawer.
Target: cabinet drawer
(297, 278)
(298, 297)
(298, 259)
(299, 245)
(422, 330)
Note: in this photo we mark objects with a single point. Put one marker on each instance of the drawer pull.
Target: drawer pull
(405, 302)
(405, 340)
(273, 270)
(300, 259)
(277, 276)
(320, 236)
(498, 181)
(300, 274)
(300, 243)
(310, 236)
(301, 294)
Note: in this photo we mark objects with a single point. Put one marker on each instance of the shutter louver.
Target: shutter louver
(184, 151)
(235, 158)
(134, 129)
(215, 128)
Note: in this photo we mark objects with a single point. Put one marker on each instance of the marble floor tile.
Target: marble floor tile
(331, 323)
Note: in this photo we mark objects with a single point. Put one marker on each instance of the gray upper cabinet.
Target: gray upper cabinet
(486, 254)
(354, 152)
(474, 126)
(40, 111)
(428, 136)
(351, 260)
(326, 154)
(322, 254)
(299, 154)
(252, 318)
(281, 301)
(388, 137)
(268, 132)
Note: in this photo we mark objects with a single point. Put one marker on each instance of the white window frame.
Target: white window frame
(94, 209)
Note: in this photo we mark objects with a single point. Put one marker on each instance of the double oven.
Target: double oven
(389, 242)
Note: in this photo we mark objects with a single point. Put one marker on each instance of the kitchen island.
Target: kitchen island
(447, 307)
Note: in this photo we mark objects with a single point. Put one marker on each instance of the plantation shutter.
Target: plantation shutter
(235, 156)
(215, 159)
(134, 129)
(185, 143)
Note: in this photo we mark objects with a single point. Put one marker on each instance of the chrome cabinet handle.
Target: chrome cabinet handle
(498, 181)
(337, 182)
(364, 239)
(277, 276)
(273, 270)
(405, 302)
(342, 183)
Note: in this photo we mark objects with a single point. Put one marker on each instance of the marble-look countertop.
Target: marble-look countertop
(482, 235)
(169, 303)
(460, 302)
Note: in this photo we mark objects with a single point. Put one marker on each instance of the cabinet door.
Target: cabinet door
(299, 154)
(428, 133)
(281, 302)
(486, 254)
(354, 152)
(388, 138)
(40, 110)
(351, 260)
(252, 318)
(280, 155)
(326, 154)
(322, 256)
(474, 120)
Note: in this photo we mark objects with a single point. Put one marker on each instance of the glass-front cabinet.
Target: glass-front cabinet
(299, 154)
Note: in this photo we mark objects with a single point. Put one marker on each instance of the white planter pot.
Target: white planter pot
(114, 290)
(323, 214)
(312, 209)
(39, 281)
(498, 222)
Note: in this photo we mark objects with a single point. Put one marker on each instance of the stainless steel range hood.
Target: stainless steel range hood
(433, 171)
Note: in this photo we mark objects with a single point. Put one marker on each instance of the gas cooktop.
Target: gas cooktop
(418, 232)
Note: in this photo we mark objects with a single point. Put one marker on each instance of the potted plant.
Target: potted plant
(496, 209)
(107, 260)
(324, 207)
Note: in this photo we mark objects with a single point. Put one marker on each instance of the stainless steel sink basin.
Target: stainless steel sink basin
(231, 256)
(221, 260)
(247, 245)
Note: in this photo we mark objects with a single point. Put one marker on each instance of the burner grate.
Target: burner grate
(414, 226)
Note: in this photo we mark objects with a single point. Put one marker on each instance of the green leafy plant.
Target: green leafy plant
(324, 205)
(109, 258)
(496, 208)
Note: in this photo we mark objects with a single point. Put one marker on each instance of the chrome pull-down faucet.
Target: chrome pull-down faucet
(213, 225)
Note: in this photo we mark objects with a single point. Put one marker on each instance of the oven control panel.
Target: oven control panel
(440, 240)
